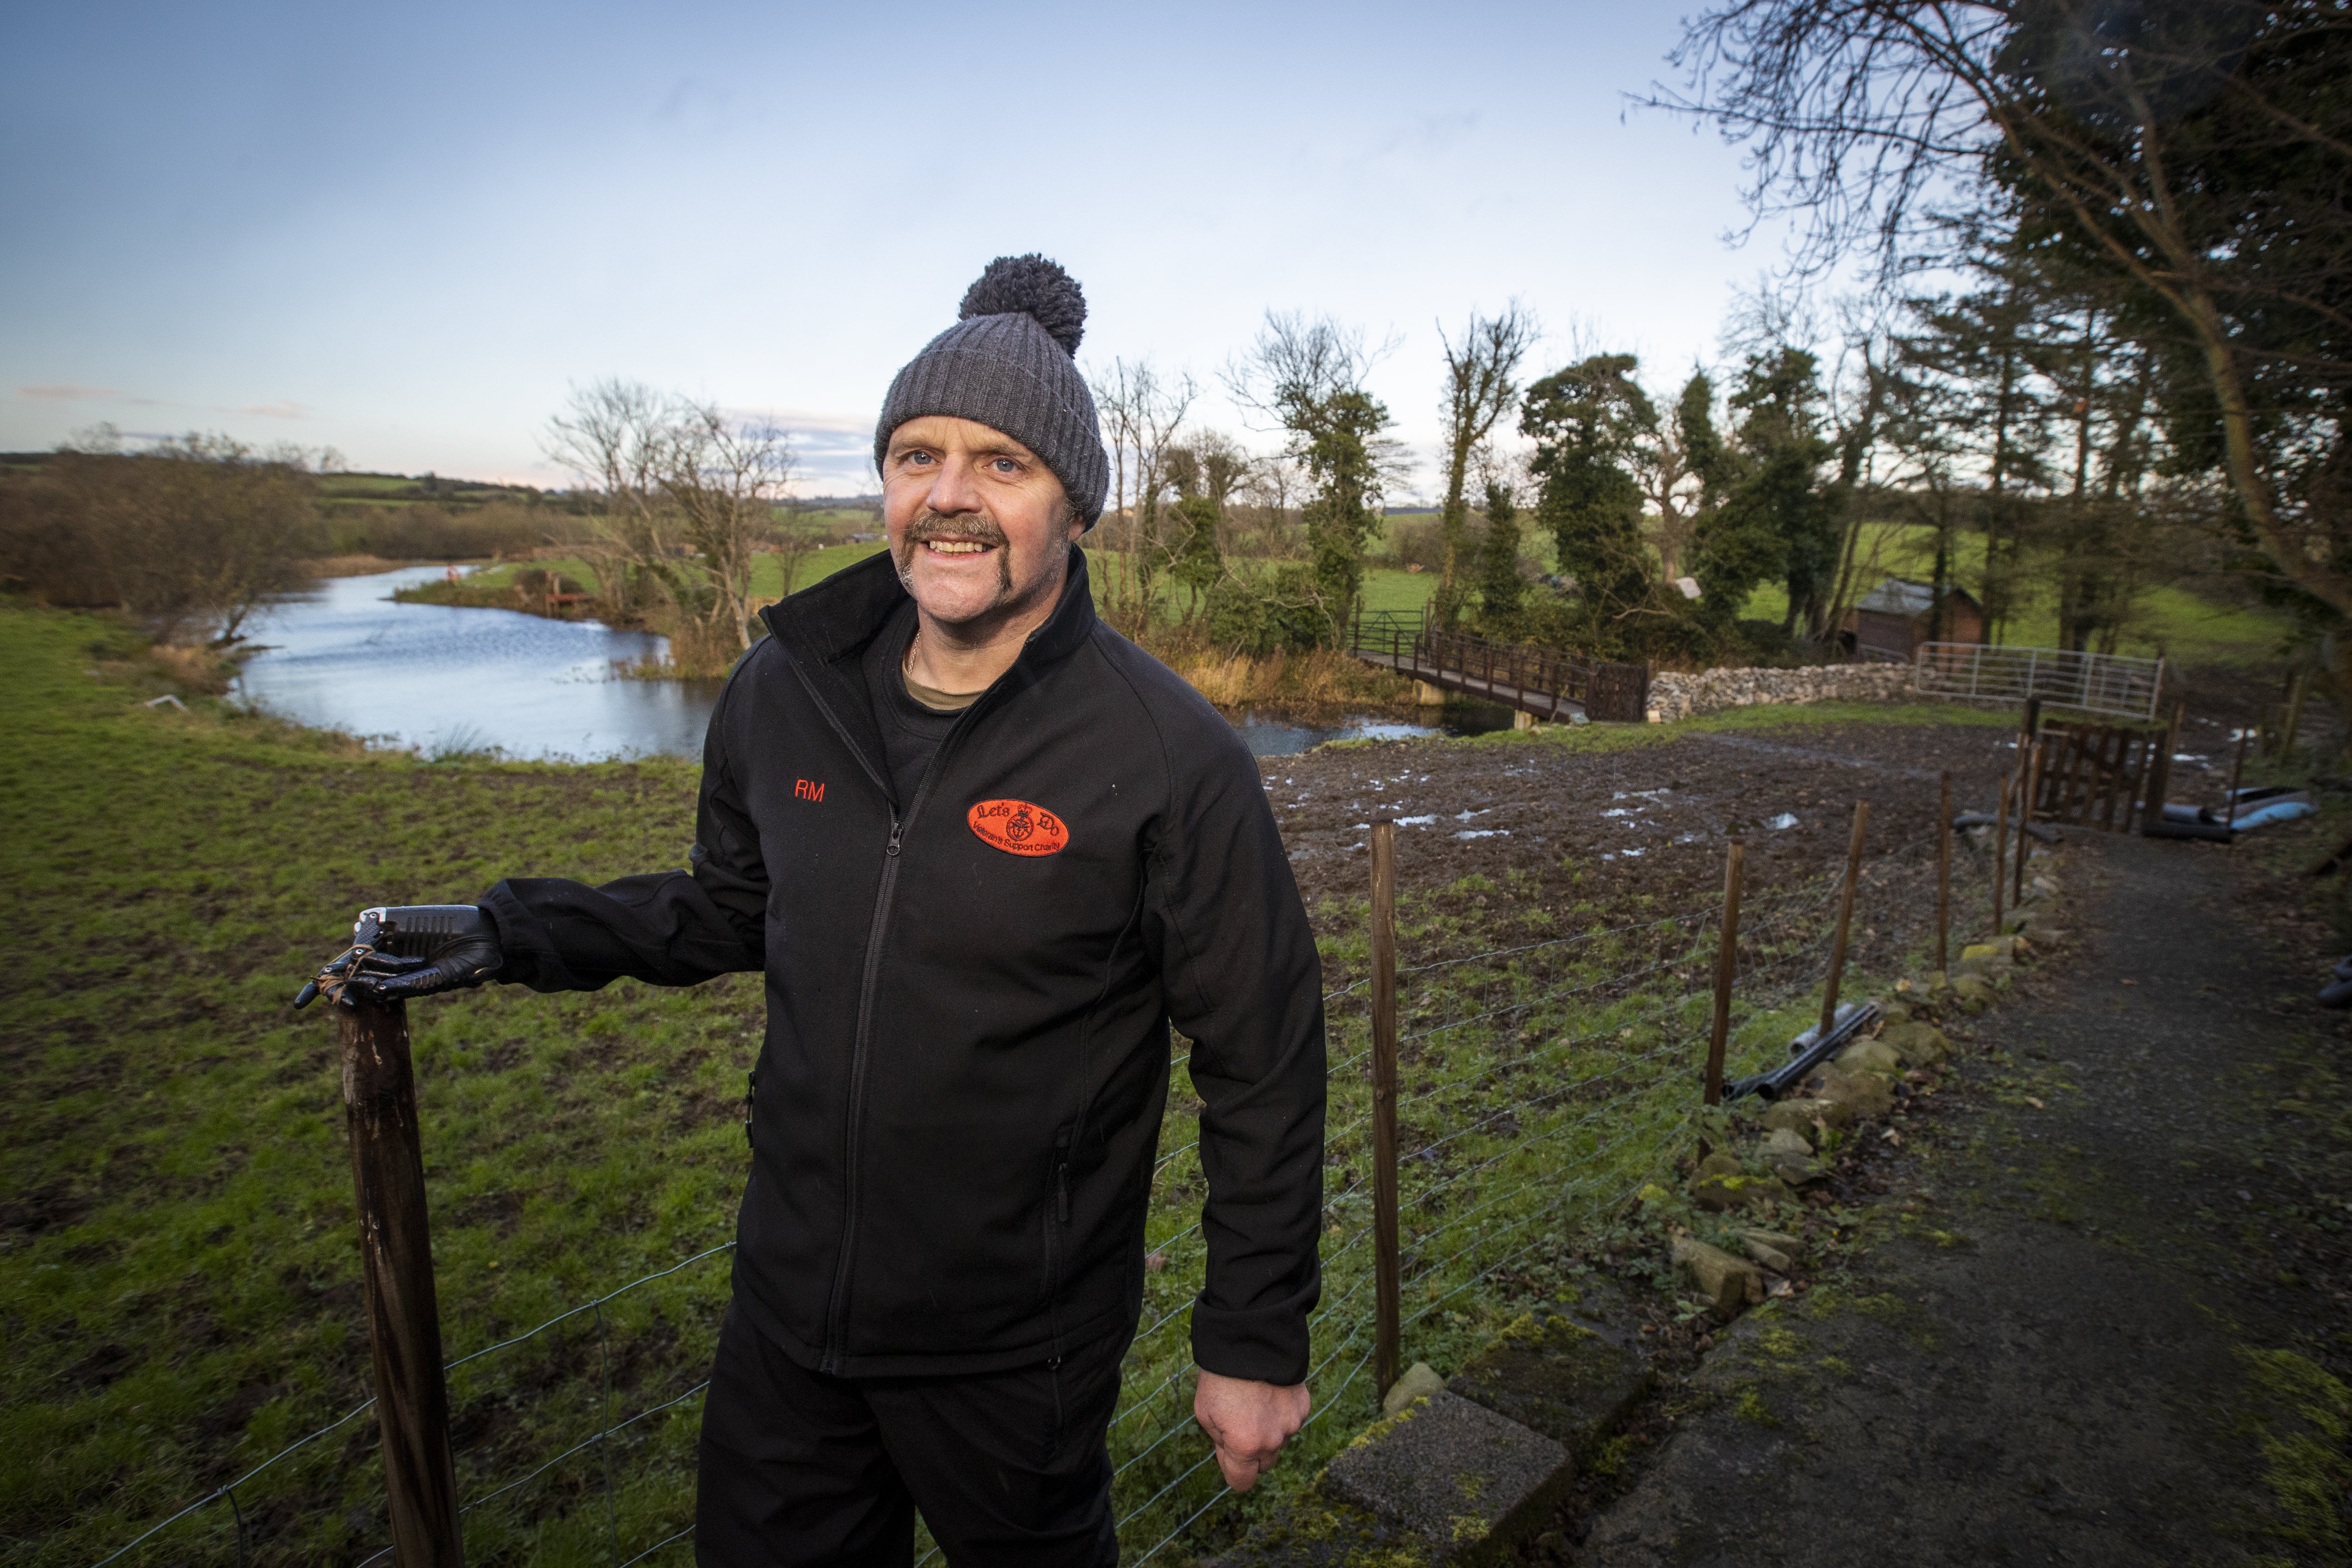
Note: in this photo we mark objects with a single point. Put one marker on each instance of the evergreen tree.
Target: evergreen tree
(1776, 519)
(1586, 421)
(1340, 459)
(1198, 561)
(1501, 590)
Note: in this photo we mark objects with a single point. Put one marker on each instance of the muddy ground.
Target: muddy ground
(1552, 825)
(1647, 819)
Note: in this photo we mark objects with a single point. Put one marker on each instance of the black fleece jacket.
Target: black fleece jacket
(969, 990)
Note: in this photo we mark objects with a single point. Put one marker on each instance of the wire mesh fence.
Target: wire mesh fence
(1540, 1084)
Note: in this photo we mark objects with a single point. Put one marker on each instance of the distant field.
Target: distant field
(2175, 622)
(1383, 589)
(2181, 624)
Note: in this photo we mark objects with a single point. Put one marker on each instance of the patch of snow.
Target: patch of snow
(1491, 833)
(1786, 819)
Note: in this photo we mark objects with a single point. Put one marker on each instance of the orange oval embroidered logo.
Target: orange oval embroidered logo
(1018, 828)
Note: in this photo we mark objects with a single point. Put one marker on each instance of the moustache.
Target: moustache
(932, 525)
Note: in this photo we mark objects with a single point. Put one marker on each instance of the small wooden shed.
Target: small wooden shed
(1892, 619)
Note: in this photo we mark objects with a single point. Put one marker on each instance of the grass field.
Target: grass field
(179, 1277)
(2185, 625)
(1384, 589)
(2180, 623)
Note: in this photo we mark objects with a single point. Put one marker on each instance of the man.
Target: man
(985, 850)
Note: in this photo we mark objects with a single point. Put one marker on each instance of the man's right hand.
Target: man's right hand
(1248, 1423)
(410, 950)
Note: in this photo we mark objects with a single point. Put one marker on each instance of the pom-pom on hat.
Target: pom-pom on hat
(1009, 362)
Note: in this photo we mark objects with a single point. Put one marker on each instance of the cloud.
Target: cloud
(68, 392)
(284, 408)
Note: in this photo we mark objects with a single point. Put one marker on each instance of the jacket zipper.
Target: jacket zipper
(835, 1305)
(858, 1052)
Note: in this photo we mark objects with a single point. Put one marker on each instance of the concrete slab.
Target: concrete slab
(1452, 1472)
(1557, 1377)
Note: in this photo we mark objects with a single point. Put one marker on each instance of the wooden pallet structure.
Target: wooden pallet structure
(2099, 775)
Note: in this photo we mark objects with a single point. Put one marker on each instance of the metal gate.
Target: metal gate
(2094, 682)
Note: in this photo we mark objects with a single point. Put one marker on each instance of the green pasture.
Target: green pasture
(1384, 588)
(2177, 622)
(2184, 624)
(179, 1279)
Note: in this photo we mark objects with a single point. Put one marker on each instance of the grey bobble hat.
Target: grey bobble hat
(1010, 363)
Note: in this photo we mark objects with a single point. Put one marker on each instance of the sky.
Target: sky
(406, 232)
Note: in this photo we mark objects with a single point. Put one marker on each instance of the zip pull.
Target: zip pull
(892, 848)
(1062, 1193)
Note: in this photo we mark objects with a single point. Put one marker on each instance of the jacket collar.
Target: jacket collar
(822, 630)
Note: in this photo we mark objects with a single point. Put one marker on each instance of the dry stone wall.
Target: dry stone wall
(1679, 696)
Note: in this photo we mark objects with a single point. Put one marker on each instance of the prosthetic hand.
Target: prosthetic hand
(410, 950)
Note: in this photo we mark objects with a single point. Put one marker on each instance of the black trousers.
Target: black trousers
(802, 1470)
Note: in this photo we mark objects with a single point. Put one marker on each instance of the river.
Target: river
(343, 655)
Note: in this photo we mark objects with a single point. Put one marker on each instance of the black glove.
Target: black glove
(411, 950)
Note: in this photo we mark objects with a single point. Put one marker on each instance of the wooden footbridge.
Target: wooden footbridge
(1545, 684)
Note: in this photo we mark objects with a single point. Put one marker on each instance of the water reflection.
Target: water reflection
(1273, 734)
(344, 656)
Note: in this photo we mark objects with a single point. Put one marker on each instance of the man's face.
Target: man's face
(980, 527)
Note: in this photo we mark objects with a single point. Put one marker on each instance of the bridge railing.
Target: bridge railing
(1543, 680)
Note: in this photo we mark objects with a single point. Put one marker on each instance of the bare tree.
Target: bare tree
(680, 479)
(1140, 415)
(618, 435)
(725, 477)
(1480, 390)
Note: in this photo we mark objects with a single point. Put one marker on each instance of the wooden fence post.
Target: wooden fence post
(2160, 771)
(1999, 852)
(1944, 878)
(2237, 771)
(1387, 1366)
(2025, 821)
(1726, 972)
(412, 1396)
(1844, 920)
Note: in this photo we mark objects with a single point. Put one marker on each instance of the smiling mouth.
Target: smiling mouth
(957, 546)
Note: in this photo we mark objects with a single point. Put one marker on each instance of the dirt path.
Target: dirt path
(2096, 1328)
